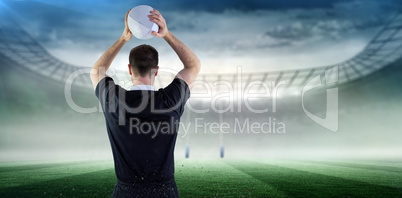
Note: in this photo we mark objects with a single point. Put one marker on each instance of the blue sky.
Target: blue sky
(259, 35)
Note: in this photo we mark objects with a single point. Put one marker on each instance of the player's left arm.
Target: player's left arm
(98, 71)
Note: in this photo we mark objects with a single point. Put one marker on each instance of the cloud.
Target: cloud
(329, 28)
(224, 39)
(205, 5)
(231, 29)
(345, 18)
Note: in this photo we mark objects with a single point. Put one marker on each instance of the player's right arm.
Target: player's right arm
(192, 64)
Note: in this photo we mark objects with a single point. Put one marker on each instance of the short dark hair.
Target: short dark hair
(143, 59)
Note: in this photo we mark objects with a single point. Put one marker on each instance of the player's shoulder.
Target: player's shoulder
(179, 82)
(176, 91)
(107, 85)
(177, 86)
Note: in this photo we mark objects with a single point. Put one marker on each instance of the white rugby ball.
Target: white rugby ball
(139, 24)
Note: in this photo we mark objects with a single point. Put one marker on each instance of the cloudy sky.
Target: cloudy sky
(258, 35)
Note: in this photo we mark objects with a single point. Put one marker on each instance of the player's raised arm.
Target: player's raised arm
(99, 69)
(192, 64)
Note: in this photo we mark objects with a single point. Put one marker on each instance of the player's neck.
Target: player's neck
(143, 81)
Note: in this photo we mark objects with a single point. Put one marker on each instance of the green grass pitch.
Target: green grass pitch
(218, 178)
